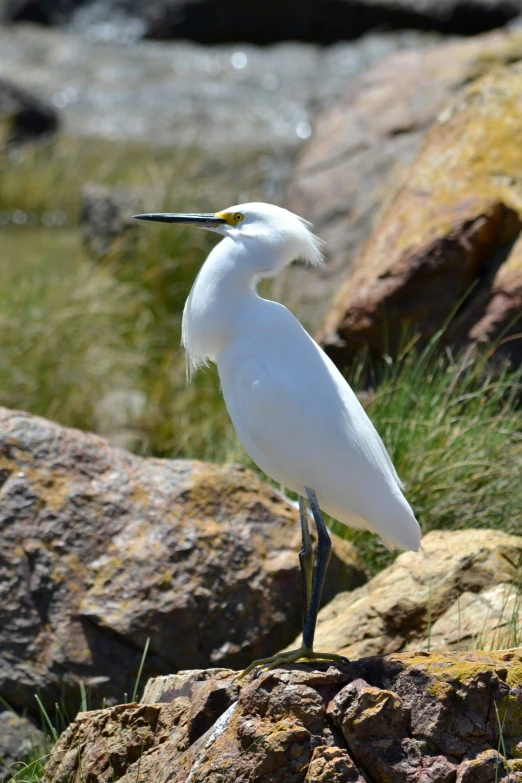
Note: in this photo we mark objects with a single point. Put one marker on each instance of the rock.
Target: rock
(488, 620)
(211, 22)
(25, 117)
(117, 416)
(106, 216)
(455, 222)
(403, 718)
(360, 152)
(46, 12)
(331, 765)
(325, 22)
(465, 577)
(102, 549)
(19, 738)
(487, 766)
(227, 108)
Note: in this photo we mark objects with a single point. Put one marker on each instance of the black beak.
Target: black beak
(203, 220)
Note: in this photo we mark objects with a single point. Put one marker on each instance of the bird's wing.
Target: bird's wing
(301, 423)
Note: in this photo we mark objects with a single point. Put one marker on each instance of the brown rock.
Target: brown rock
(402, 605)
(111, 740)
(486, 767)
(369, 712)
(454, 222)
(499, 305)
(102, 549)
(451, 699)
(490, 620)
(206, 694)
(361, 151)
(332, 765)
(405, 718)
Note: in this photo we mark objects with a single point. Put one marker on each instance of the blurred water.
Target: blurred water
(100, 21)
(223, 98)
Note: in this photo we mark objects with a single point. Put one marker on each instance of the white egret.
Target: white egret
(295, 414)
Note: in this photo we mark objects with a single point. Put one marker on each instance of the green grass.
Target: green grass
(74, 330)
(507, 630)
(31, 768)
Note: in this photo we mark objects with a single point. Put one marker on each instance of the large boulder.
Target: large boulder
(361, 150)
(210, 21)
(454, 226)
(460, 591)
(102, 549)
(405, 718)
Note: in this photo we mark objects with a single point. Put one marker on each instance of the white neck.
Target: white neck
(218, 302)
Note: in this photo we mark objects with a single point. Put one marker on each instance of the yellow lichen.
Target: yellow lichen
(461, 667)
(471, 161)
(139, 496)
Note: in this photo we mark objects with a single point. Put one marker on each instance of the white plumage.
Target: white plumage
(293, 411)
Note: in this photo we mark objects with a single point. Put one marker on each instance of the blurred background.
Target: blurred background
(112, 107)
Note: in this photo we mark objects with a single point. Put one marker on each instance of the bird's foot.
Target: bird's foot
(304, 654)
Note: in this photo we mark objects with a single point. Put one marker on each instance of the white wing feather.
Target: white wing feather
(291, 407)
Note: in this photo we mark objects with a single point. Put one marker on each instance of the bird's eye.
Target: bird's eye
(238, 217)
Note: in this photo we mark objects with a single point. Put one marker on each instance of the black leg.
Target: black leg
(312, 586)
(324, 546)
(306, 559)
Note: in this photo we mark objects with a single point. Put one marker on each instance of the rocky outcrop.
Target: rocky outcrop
(19, 739)
(24, 117)
(209, 21)
(405, 718)
(454, 224)
(462, 590)
(360, 153)
(102, 549)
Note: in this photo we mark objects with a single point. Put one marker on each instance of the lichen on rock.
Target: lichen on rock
(450, 238)
(403, 718)
(361, 152)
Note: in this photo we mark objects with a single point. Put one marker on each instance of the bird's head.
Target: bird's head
(272, 236)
